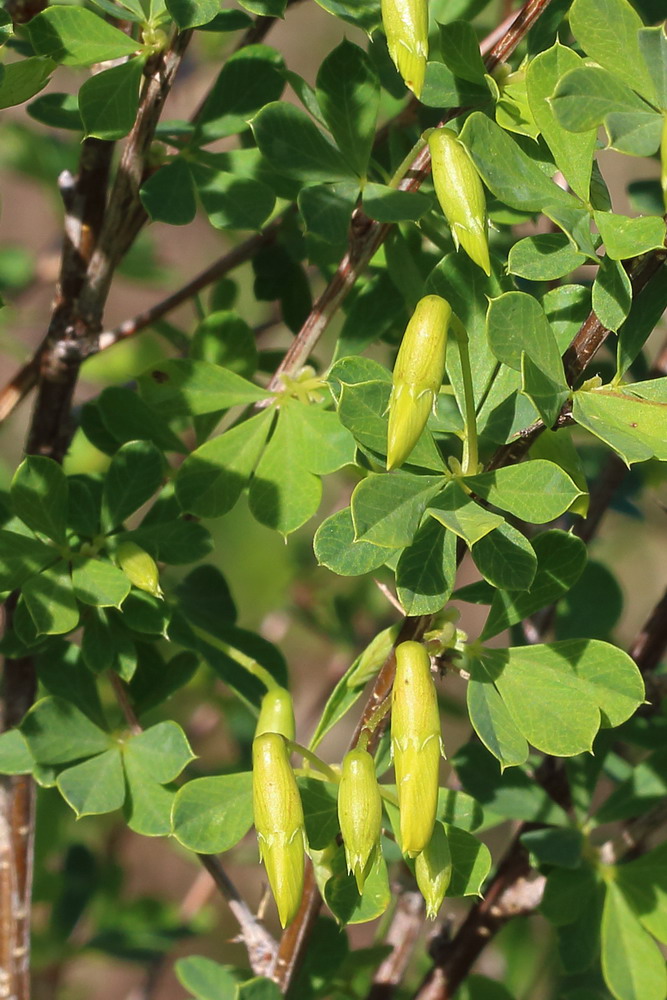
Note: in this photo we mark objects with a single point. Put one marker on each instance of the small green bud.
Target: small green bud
(278, 821)
(405, 24)
(433, 870)
(461, 195)
(417, 377)
(359, 813)
(276, 714)
(416, 745)
(139, 567)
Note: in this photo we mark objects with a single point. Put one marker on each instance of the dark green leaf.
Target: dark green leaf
(108, 101)
(192, 13)
(39, 496)
(348, 92)
(168, 194)
(426, 570)
(133, 477)
(50, 599)
(294, 146)
(505, 558)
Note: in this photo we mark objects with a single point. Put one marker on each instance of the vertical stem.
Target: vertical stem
(470, 450)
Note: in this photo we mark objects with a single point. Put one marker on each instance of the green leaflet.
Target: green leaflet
(536, 491)
(635, 428)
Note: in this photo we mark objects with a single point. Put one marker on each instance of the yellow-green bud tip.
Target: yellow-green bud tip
(276, 714)
(433, 870)
(416, 745)
(405, 24)
(279, 822)
(359, 813)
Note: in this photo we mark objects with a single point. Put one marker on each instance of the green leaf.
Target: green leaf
(519, 182)
(192, 13)
(20, 81)
(179, 387)
(249, 79)
(39, 496)
(592, 607)
(544, 257)
(225, 339)
(206, 979)
(50, 599)
(108, 101)
(536, 491)
(573, 152)
(653, 47)
(471, 863)
(509, 795)
(336, 547)
(107, 645)
(212, 478)
(205, 598)
(565, 894)
(77, 37)
(559, 695)
(154, 680)
(348, 93)
(168, 194)
(20, 557)
(625, 237)
(343, 899)
(127, 418)
(459, 47)
(387, 508)
(319, 800)
(211, 815)
(612, 293)
(265, 8)
(592, 96)
(561, 559)
(443, 89)
(259, 988)
(644, 884)
(233, 202)
(635, 428)
(426, 570)
(505, 558)
(55, 110)
(284, 494)
(15, 757)
(295, 147)
(326, 210)
(632, 964)
(175, 541)
(555, 847)
(608, 30)
(145, 613)
(96, 786)
(644, 315)
(99, 583)
(494, 725)
(386, 204)
(326, 445)
(57, 732)
(135, 473)
(364, 14)
(481, 988)
(455, 510)
(161, 751)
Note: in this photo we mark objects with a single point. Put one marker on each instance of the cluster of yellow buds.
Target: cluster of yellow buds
(405, 24)
(417, 377)
(459, 190)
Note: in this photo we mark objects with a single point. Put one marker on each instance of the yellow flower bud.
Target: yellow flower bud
(139, 567)
(279, 822)
(433, 870)
(359, 813)
(461, 195)
(405, 24)
(416, 745)
(276, 714)
(418, 375)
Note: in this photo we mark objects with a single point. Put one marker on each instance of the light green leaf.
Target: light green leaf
(96, 786)
(135, 473)
(635, 428)
(336, 548)
(259, 988)
(561, 559)
(544, 257)
(284, 494)
(20, 81)
(206, 979)
(99, 583)
(50, 599)
(387, 509)
(211, 815)
(343, 899)
(178, 387)
(546, 393)
(625, 237)
(505, 558)
(108, 101)
(212, 478)
(456, 511)
(161, 751)
(612, 293)
(653, 47)
(493, 723)
(386, 204)
(516, 324)
(573, 152)
(643, 882)
(15, 757)
(559, 695)
(536, 491)
(471, 863)
(426, 570)
(39, 496)
(295, 147)
(632, 964)
(608, 30)
(348, 93)
(77, 37)
(57, 732)
(326, 444)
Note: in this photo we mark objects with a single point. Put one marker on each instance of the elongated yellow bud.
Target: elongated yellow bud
(416, 745)
(418, 375)
(359, 813)
(405, 24)
(461, 195)
(278, 822)
(139, 567)
(433, 870)
(276, 714)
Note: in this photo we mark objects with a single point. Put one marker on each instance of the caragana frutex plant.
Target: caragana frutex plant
(391, 483)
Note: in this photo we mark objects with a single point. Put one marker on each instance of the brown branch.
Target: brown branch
(403, 934)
